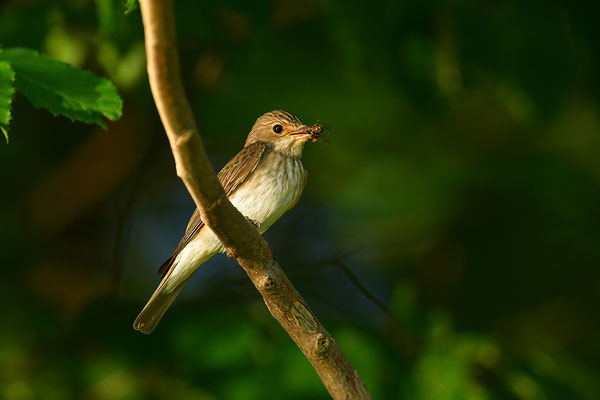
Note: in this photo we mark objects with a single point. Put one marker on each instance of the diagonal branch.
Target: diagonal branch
(239, 237)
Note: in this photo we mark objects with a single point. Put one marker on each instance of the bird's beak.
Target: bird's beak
(311, 133)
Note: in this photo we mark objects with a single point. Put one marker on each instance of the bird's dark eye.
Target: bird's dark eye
(277, 128)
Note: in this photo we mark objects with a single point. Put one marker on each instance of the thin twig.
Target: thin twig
(354, 279)
(337, 260)
(239, 237)
(120, 236)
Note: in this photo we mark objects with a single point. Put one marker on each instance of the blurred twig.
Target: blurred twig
(239, 237)
(354, 279)
(407, 343)
(119, 244)
(337, 261)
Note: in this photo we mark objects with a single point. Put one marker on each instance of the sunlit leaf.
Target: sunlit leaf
(7, 90)
(62, 89)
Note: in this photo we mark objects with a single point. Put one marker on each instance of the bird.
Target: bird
(263, 181)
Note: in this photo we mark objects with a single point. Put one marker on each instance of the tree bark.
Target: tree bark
(239, 237)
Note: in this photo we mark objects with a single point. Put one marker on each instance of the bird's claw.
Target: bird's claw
(253, 222)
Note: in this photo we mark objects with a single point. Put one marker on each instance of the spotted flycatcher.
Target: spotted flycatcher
(263, 181)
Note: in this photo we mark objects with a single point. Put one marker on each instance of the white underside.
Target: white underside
(264, 198)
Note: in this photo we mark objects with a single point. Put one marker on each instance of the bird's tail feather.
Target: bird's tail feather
(157, 306)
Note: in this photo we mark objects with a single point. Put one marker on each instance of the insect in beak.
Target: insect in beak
(312, 133)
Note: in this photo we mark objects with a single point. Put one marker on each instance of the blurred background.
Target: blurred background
(448, 237)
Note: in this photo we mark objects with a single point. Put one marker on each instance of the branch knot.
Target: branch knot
(268, 284)
(324, 344)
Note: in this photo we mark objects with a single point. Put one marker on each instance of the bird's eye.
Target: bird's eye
(277, 128)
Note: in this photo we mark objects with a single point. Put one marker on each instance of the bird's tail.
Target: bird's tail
(157, 305)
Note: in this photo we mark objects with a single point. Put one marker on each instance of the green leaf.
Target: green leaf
(61, 88)
(7, 90)
(130, 5)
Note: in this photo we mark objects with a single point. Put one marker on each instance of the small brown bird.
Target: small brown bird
(263, 181)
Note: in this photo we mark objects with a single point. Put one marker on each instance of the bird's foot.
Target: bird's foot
(253, 222)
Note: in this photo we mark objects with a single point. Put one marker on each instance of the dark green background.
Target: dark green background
(459, 181)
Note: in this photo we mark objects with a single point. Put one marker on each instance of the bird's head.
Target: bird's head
(284, 131)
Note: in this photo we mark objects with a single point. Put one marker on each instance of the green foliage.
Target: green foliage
(448, 365)
(130, 5)
(57, 87)
(7, 90)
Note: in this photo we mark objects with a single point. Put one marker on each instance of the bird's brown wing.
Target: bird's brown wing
(231, 176)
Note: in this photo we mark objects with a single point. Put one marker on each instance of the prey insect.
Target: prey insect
(316, 131)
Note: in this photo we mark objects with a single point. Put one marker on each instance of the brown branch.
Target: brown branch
(239, 237)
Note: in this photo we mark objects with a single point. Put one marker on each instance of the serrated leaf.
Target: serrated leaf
(7, 90)
(130, 5)
(61, 88)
